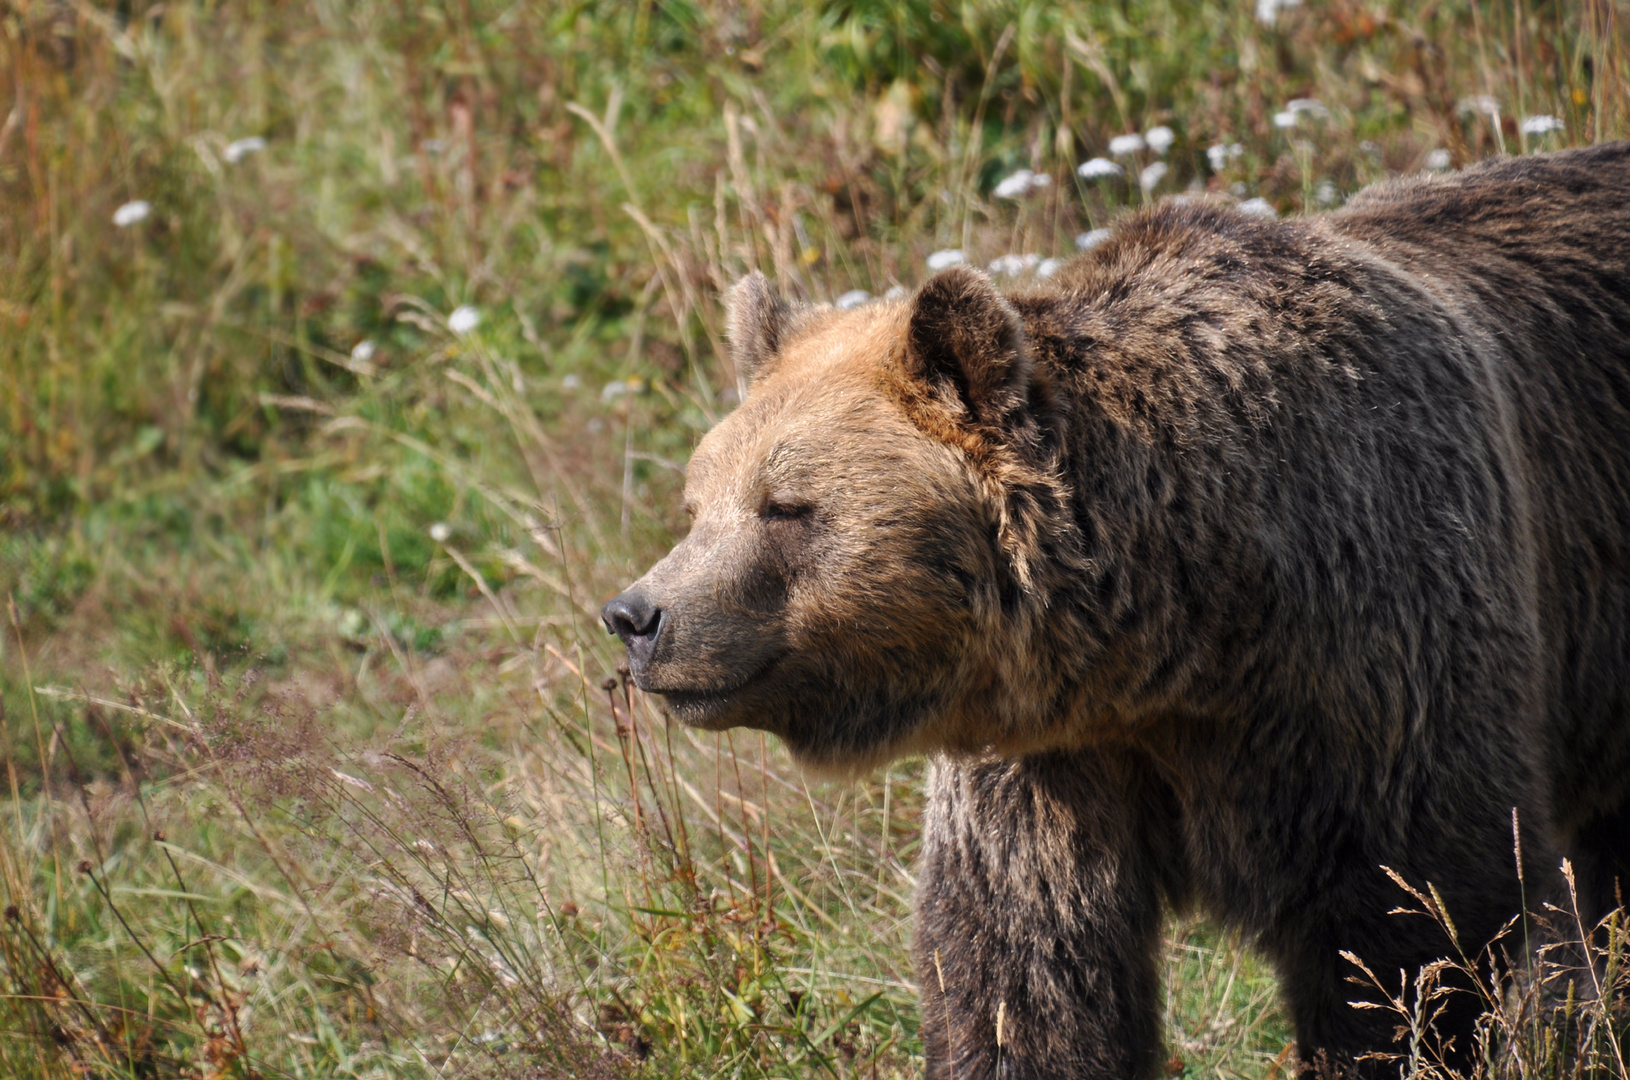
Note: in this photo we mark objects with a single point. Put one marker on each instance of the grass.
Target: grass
(313, 768)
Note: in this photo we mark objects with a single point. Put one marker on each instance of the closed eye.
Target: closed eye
(774, 510)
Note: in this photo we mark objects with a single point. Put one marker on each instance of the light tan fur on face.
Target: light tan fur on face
(847, 592)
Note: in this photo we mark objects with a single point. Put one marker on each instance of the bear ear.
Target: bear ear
(965, 338)
(757, 325)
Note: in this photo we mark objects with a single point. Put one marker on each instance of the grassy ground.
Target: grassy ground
(318, 763)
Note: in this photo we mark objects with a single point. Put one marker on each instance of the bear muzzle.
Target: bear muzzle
(705, 665)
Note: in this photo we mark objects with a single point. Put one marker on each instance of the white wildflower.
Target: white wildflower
(851, 299)
(1284, 120)
(571, 382)
(1089, 240)
(1048, 267)
(1160, 138)
(1311, 106)
(441, 532)
(1258, 207)
(1098, 168)
(949, 257)
(239, 149)
(1486, 104)
(132, 212)
(1326, 194)
(1541, 125)
(1013, 265)
(1438, 160)
(1126, 145)
(1020, 184)
(897, 292)
(363, 351)
(1152, 175)
(1016, 186)
(463, 319)
(1267, 11)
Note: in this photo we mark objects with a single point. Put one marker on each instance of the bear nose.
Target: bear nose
(632, 617)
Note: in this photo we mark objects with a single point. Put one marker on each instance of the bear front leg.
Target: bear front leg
(1039, 909)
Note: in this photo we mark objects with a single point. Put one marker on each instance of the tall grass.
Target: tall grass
(318, 761)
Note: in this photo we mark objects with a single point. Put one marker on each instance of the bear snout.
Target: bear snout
(634, 618)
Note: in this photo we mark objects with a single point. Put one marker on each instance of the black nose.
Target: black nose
(632, 617)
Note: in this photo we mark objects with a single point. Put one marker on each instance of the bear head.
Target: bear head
(863, 528)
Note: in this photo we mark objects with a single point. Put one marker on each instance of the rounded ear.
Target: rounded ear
(964, 338)
(757, 324)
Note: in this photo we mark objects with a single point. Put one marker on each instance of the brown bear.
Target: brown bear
(1240, 560)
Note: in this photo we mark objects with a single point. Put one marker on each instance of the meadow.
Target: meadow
(350, 356)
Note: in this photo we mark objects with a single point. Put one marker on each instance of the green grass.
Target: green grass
(405, 829)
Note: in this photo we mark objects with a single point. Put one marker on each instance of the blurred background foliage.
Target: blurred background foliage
(350, 354)
(433, 152)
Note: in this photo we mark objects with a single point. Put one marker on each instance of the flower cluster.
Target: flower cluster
(1022, 183)
(132, 213)
(1098, 169)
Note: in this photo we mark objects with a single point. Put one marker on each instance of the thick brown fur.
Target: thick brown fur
(1240, 560)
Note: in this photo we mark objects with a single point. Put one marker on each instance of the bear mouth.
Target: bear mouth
(710, 708)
